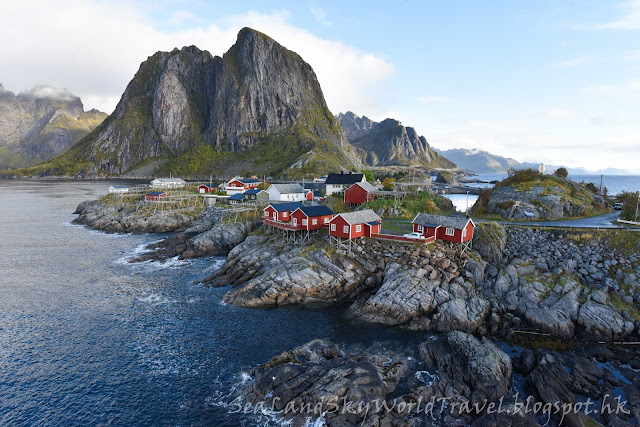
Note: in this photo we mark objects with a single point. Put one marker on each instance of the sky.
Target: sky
(544, 81)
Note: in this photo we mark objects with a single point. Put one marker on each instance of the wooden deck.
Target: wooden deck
(404, 239)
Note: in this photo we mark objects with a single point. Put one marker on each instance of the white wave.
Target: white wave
(155, 299)
(426, 377)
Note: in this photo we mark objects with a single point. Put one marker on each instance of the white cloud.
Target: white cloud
(321, 16)
(49, 92)
(629, 21)
(94, 49)
(557, 113)
(600, 89)
(634, 85)
(181, 17)
(604, 121)
(574, 62)
(434, 99)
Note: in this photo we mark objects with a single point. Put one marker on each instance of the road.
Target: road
(600, 221)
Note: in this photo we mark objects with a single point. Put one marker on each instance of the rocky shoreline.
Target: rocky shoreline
(558, 303)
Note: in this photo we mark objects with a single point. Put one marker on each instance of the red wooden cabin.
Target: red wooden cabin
(204, 188)
(311, 217)
(351, 225)
(280, 211)
(359, 193)
(451, 229)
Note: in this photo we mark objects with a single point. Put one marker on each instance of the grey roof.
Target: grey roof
(367, 186)
(457, 222)
(360, 217)
(288, 188)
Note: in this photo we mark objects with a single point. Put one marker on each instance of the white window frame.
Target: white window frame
(419, 228)
(285, 214)
(305, 222)
(333, 227)
(275, 215)
(314, 221)
(358, 228)
(295, 221)
(464, 233)
(327, 219)
(449, 232)
(345, 229)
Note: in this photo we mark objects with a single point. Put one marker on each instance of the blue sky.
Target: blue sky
(550, 81)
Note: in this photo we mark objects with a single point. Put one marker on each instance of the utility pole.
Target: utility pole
(467, 210)
(638, 203)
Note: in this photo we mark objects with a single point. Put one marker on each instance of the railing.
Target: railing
(404, 239)
(281, 225)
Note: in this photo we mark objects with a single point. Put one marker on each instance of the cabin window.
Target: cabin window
(314, 221)
(326, 220)
(304, 222)
(333, 227)
(345, 229)
(275, 215)
(449, 232)
(464, 233)
(295, 221)
(287, 214)
(358, 228)
(419, 228)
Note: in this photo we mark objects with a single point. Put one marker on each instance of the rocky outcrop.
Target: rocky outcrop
(259, 92)
(123, 218)
(469, 370)
(37, 124)
(389, 143)
(489, 240)
(318, 380)
(219, 239)
(266, 271)
(539, 197)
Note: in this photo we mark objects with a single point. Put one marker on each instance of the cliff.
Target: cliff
(389, 143)
(259, 108)
(36, 125)
(479, 161)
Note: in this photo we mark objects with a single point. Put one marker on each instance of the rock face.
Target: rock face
(389, 143)
(37, 124)
(258, 92)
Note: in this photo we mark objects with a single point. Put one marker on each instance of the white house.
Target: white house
(287, 192)
(168, 183)
(338, 182)
(239, 185)
(118, 189)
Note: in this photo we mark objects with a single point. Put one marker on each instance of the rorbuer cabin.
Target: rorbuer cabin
(451, 229)
(281, 211)
(311, 217)
(240, 185)
(359, 193)
(154, 196)
(350, 225)
(205, 189)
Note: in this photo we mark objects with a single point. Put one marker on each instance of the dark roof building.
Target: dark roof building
(313, 211)
(429, 220)
(343, 178)
(284, 207)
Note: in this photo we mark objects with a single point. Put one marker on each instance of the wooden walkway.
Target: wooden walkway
(404, 239)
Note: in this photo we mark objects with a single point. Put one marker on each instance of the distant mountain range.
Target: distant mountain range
(389, 143)
(36, 125)
(480, 161)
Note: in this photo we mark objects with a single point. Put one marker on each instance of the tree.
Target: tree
(630, 201)
(369, 176)
(561, 172)
(387, 183)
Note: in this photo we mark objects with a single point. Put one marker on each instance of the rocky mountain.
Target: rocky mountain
(389, 143)
(259, 108)
(479, 161)
(36, 125)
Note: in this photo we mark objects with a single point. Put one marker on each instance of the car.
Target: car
(414, 235)
(618, 206)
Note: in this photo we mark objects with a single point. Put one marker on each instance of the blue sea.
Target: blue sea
(87, 338)
(614, 183)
